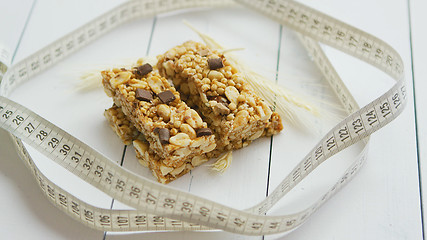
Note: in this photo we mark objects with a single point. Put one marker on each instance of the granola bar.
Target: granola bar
(174, 131)
(161, 171)
(148, 158)
(209, 83)
(121, 125)
(212, 98)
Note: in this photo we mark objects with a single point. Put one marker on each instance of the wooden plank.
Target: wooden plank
(26, 213)
(382, 202)
(419, 52)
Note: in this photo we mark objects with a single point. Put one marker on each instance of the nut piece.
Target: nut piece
(264, 112)
(203, 52)
(140, 146)
(256, 135)
(251, 101)
(215, 75)
(209, 147)
(181, 139)
(164, 111)
(185, 128)
(109, 92)
(155, 84)
(241, 119)
(143, 162)
(168, 66)
(182, 152)
(193, 118)
(198, 160)
(165, 169)
(267, 112)
(232, 94)
(197, 142)
(220, 108)
(178, 170)
(120, 78)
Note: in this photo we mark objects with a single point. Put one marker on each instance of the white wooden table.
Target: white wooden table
(383, 202)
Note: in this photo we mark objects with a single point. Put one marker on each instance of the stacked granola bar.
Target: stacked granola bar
(146, 156)
(209, 83)
(209, 109)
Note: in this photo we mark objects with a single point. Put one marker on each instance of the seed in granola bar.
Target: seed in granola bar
(143, 95)
(144, 69)
(203, 132)
(164, 134)
(215, 63)
(166, 97)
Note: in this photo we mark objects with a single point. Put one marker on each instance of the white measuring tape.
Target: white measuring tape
(159, 207)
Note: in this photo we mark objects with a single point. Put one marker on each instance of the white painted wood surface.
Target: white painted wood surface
(419, 53)
(382, 202)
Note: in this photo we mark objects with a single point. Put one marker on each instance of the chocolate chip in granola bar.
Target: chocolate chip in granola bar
(166, 97)
(215, 63)
(203, 132)
(164, 134)
(203, 52)
(143, 95)
(144, 69)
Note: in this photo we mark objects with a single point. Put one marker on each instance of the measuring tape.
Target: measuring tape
(159, 207)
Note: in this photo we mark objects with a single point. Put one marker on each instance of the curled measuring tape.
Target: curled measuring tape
(159, 207)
